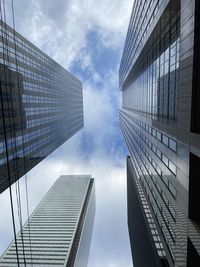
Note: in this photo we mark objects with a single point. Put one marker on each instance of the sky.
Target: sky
(87, 38)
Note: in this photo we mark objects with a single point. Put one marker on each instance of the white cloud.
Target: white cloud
(109, 245)
(61, 28)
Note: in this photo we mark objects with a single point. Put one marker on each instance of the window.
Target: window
(172, 144)
(158, 152)
(158, 135)
(165, 140)
(165, 159)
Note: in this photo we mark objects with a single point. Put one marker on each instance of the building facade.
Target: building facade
(41, 105)
(160, 122)
(145, 241)
(59, 231)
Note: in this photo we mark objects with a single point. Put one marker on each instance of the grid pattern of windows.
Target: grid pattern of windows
(151, 223)
(49, 234)
(149, 79)
(154, 81)
(142, 224)
(142, 16)
(159, 119)
(163, 138)
(137, 130)
(155, 177)
(41, 105)
(150, 219)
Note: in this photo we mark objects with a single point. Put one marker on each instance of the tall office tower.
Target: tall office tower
(161, 125)
(41, 105)
(59, 231)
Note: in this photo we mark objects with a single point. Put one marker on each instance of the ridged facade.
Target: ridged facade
(54, 234)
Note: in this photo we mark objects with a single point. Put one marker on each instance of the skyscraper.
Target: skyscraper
(160, 122)
(59, 231)
(41, 105)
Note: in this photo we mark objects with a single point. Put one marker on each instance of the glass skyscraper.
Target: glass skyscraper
(41, 105)
(159, 79)
(59, 231)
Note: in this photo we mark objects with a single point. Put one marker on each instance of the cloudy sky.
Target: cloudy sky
(87, 38)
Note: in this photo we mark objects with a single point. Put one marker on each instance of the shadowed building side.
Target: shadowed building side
(140, 225)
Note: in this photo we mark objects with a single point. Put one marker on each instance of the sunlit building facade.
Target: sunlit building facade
(160, 122)
(41, 105)
(59, 231)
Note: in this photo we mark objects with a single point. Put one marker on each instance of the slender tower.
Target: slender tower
(59, 231)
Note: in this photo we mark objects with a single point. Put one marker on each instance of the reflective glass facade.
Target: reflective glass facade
(58, 226)
(142, 225)
(41, 105)
(153, 85)
(160, 123)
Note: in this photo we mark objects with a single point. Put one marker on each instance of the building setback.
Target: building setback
(41, 105)
(59, 231)
(159, 79)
